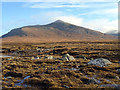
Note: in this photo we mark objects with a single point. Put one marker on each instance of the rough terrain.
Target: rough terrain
(61, 65)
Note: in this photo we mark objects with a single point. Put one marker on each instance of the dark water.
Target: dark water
(21, 82)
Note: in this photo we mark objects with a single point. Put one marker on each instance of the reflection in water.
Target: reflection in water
(4, 56)
(110, 85)
(21, 81)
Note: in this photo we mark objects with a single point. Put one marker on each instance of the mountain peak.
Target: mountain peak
(59, 21)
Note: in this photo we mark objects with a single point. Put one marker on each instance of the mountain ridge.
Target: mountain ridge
(55, 31)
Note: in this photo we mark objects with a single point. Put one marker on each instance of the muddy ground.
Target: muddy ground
(27, 65)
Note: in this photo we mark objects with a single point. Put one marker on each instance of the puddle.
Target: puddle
(21, 81)
(111, 85)
(4, 56)
(60, 68)
(71, 69)
(94, 77)
(108, 80)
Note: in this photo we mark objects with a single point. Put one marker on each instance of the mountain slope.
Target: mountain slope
(56, 31)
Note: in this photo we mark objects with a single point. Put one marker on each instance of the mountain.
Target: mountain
(113, 33)
(54, 32)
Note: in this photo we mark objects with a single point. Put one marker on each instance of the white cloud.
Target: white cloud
(69, 4)
(66, 1)
(71, 19)
(102, 25)
(53, 5)
(108, 12)
(45, 17)
(112, 11)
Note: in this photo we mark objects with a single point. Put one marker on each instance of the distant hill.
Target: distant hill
(54, 32)
(113, 33)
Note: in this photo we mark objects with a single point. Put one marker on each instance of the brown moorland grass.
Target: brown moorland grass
(56, 73)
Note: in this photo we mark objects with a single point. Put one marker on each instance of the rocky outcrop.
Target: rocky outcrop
(99, 62)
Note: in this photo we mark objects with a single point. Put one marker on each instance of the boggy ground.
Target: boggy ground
(25, 70)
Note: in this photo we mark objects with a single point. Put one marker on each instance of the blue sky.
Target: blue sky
(100, 16)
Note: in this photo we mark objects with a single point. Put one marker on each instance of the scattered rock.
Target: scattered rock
(117, 77)
(48, 57)
(119, 62)
(99, 62)
(93, 81)
(9, 77)
(118, 70)
(67, 57)
(65, 86)
(35, 57)
(39, 50)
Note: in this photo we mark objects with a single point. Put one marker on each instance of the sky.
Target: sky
(100, 15)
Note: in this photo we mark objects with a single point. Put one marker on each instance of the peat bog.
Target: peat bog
(61, 65)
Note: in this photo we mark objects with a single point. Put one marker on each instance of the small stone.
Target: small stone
(71, 58)
(94, 81)
(67, 57)
(9, 77)
(49, 57)
(117, 77)
(65, 86)
(118, 70)
(119, 62)
(35, 57)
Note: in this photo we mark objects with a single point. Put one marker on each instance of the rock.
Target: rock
(35, 57)
(65, 86)
(32, 58)
(49, 57)
(67, 57)
(117, 77)
(9, 77)
(93, 81)
(99, 62)
(119, 62)
(118, 70)
(13, 74)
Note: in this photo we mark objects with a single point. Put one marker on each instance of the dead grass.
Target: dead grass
(57, 73)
